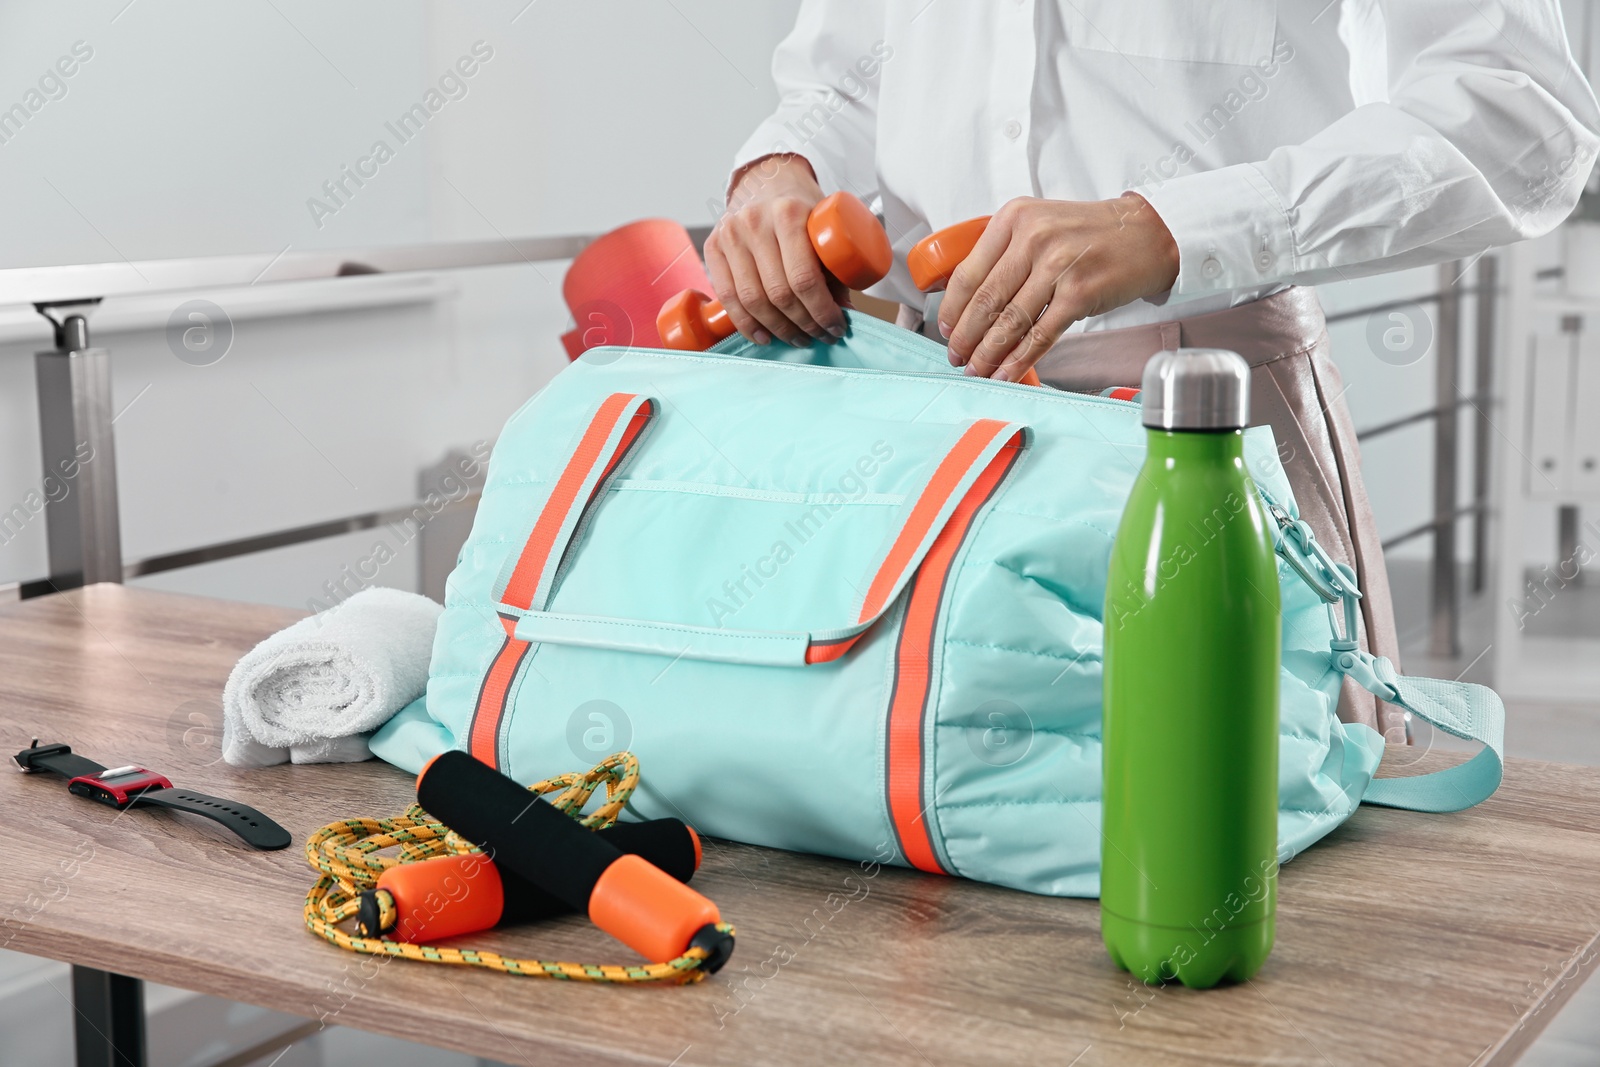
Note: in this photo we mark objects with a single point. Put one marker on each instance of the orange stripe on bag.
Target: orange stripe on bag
(636, 426)
(913, 662)
(524, 582)
(535, 559)
(951, 470)
(934, 496)
(828, 651)
(492, 695)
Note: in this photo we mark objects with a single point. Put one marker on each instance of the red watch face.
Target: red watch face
(118, 785)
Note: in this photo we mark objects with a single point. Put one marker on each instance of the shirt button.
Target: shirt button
(1265, 259)
(1211, 268)
(1012, 129)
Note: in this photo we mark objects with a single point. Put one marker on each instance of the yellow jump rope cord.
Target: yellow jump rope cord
(346, 853)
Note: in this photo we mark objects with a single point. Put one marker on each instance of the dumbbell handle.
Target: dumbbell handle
(933, 259)
(848, 239)
(693, 322)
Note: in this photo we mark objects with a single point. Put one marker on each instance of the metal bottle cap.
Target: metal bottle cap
(1196, 389)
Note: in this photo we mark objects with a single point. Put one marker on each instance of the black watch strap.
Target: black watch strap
(57, 759)
(256, 829)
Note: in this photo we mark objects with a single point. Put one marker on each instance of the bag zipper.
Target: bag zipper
(916, 345)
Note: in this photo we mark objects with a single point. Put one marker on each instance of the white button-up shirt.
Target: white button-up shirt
(1280, 141)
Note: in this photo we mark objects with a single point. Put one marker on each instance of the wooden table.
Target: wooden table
(1403, 938)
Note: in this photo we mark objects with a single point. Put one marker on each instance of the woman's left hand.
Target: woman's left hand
(1042, 265)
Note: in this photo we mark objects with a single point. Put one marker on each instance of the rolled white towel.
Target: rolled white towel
(313, 692)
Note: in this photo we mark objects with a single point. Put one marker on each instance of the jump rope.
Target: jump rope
(478, 850)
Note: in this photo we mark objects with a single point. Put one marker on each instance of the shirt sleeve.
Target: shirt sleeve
(1486, 138)
(827, 71)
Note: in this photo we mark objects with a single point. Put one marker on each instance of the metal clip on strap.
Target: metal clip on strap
(1336, 584)
(1375, 674)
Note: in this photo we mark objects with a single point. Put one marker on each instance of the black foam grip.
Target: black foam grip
(523, 834)
(664, 842)
(667, 843)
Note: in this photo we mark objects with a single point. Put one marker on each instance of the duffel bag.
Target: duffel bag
(846, 600)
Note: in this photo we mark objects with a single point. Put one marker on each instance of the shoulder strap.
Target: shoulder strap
(1471, 712)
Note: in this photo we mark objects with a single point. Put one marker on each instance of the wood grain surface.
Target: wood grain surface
(1403, 938)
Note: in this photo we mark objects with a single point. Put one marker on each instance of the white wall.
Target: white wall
(595, 113)
(200, 128)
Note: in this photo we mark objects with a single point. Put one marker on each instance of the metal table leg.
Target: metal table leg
(108, 1020)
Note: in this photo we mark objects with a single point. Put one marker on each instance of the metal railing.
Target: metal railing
(87, 283)
(74, 386)
(1444, 613)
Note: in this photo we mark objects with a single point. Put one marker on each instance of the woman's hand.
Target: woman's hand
(760, 258)
(1042, 265)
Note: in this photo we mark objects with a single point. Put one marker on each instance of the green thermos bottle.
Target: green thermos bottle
(1188, 856)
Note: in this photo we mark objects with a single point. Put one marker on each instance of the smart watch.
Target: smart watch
(133, 786)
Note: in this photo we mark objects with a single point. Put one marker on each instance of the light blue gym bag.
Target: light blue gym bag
(846, 600)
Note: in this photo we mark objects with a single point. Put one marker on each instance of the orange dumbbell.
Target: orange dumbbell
(848, 240)
(933, 259)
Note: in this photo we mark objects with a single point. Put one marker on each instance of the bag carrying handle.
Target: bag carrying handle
(965, 476)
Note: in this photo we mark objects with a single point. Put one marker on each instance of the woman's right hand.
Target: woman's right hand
(761, 262)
